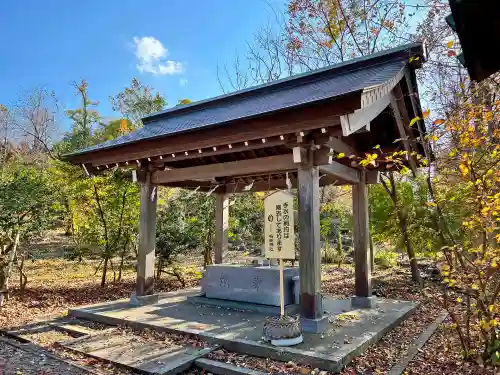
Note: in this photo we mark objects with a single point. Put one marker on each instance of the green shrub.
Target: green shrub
(332, 254)
(386, 258)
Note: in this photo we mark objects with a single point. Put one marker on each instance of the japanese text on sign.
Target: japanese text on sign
(279, 233)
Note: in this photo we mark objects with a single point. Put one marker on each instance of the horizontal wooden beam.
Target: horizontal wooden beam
(257, 186)
(279, 183)
(341, 172)
(338, 145)
(190, 184)
(278, 163)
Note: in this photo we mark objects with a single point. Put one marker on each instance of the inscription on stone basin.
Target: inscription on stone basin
(248, 284)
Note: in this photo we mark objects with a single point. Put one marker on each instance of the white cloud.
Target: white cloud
(152, 54)
(183, 81)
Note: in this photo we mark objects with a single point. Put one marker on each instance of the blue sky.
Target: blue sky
(172, 45)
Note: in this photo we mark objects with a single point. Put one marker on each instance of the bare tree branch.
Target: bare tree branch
(35, 118)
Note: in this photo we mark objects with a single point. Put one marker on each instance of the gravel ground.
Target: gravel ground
(15, 361)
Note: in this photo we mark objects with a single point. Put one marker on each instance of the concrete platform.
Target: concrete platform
(350, 331)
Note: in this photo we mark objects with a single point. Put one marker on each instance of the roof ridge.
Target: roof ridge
(293, 80)
(292, 92)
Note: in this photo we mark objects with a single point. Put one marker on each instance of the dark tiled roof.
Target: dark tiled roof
(327, 83)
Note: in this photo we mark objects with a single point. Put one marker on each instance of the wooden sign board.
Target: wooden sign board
(279, 226)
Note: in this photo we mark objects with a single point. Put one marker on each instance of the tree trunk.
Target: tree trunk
(120, 269)
(6, 271)
(23, 279)
(339, 247)
(104, 271)
(176, 272)
(403, 224)
(70, 222)
(207, 254)
(159, 268)
(112, 269)
(12, 256)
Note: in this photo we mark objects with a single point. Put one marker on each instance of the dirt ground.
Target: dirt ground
(56, 284)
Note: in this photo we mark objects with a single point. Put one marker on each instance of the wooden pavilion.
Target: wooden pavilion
(258, 139)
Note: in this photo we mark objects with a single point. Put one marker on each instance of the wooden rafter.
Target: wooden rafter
(402, 133)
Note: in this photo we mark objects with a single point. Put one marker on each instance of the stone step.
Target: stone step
(221, 368)
(237, 305)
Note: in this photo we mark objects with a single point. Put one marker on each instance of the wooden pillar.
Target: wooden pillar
(362, 266)
(310, 256)
(221, 226)
(372, 250)
(147, 238)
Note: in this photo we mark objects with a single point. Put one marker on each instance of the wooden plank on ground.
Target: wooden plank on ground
(139, 354)
(416, 345)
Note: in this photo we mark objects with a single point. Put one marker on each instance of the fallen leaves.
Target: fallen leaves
(348, 317)
(390, 283)
(47, 338)
(55, 285)
(441, 355)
